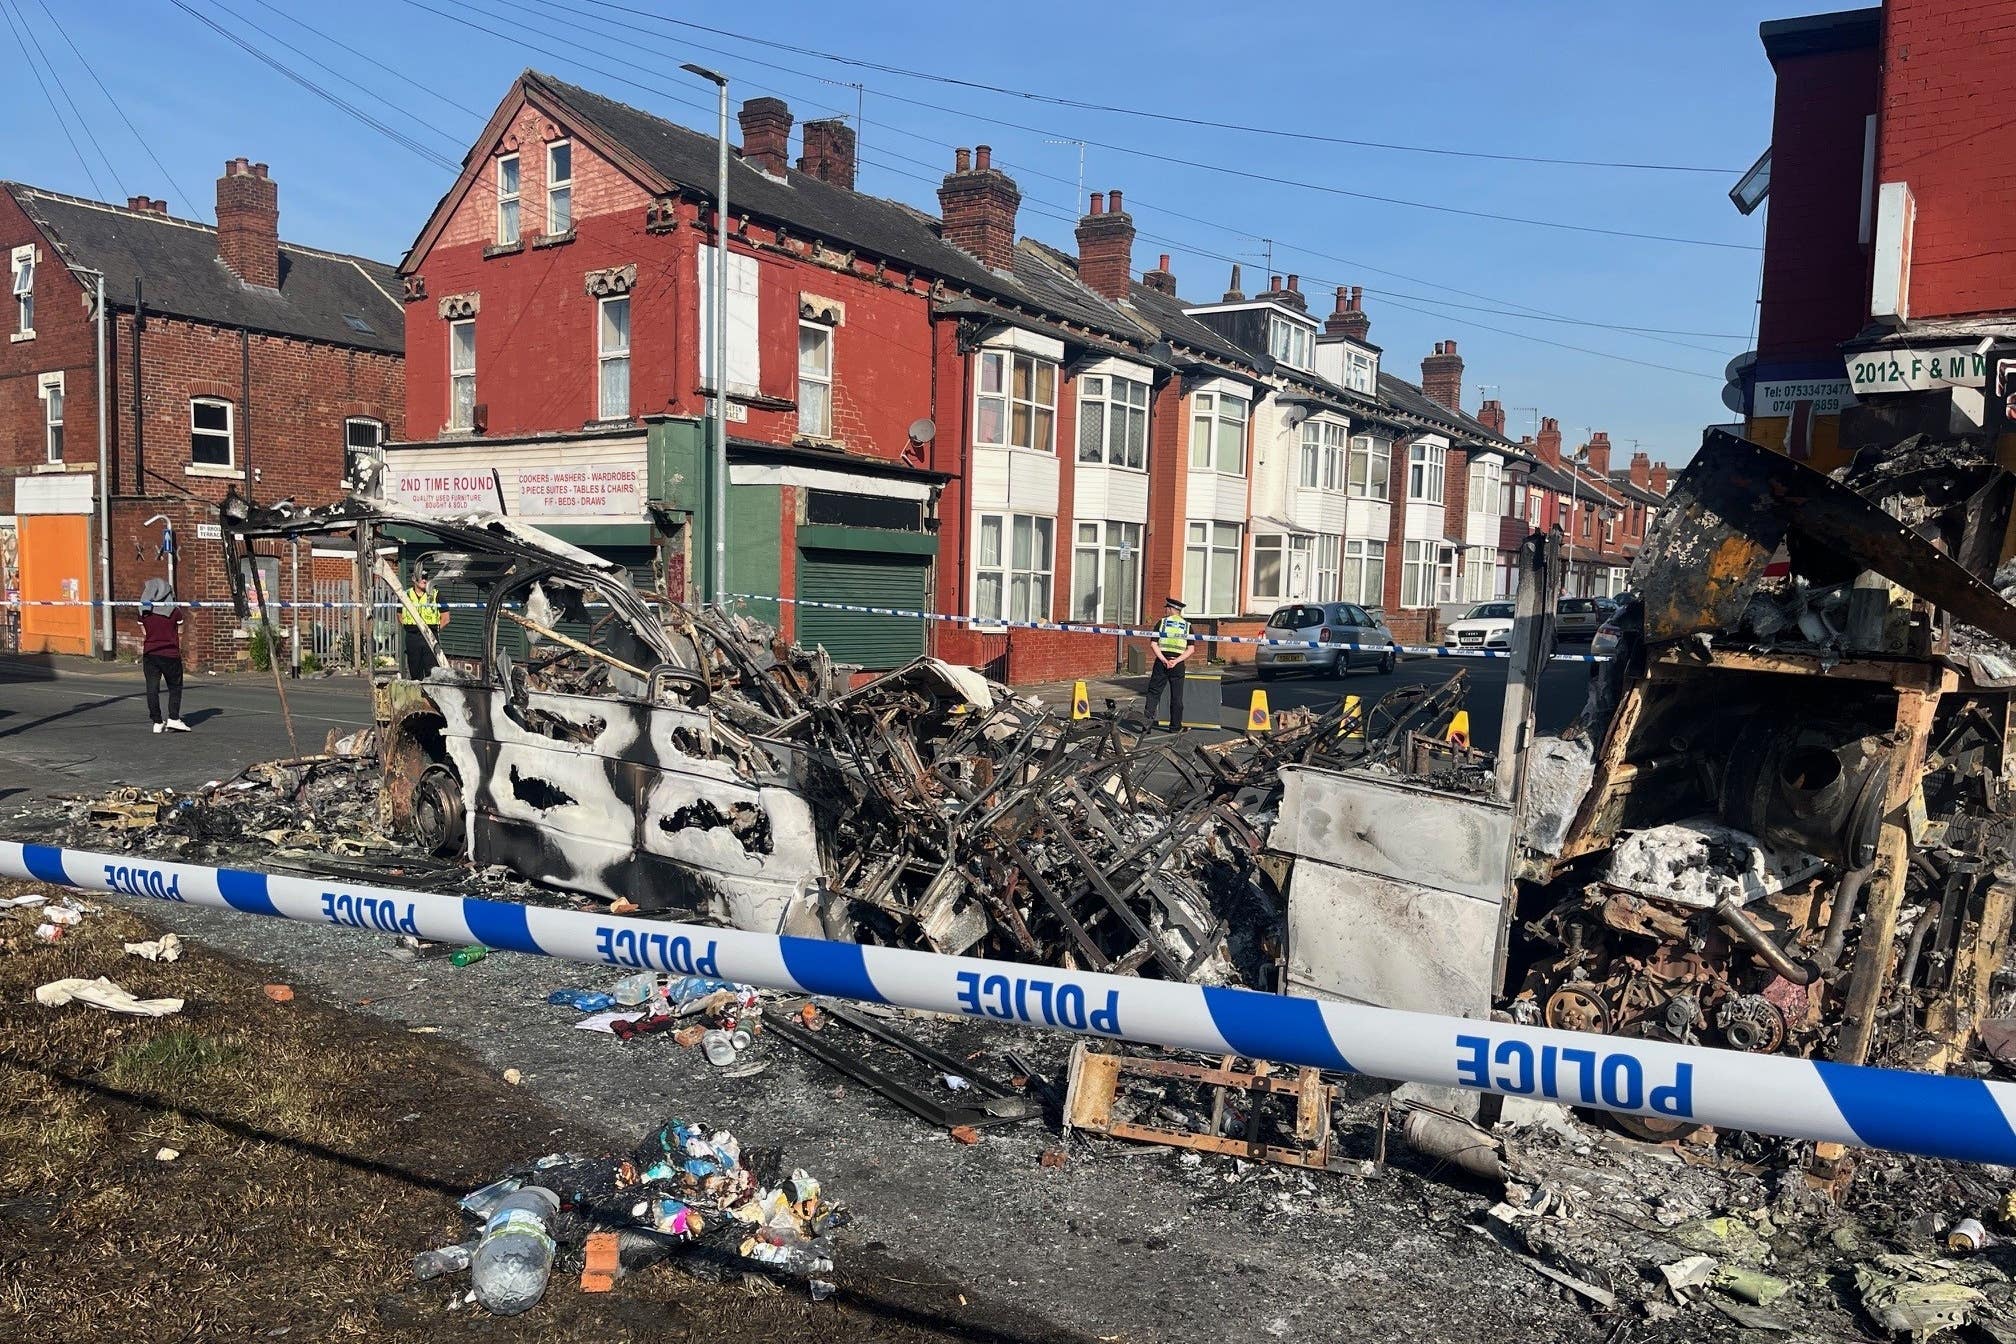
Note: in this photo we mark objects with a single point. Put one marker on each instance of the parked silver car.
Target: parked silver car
(1581, 617)
(1325, 623)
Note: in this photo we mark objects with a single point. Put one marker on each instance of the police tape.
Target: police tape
(1966, 1119)
(277, 604)
(987, 623)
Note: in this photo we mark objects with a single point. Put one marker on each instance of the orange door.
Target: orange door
(55, 567)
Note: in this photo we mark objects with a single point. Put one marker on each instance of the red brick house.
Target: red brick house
(232, 360)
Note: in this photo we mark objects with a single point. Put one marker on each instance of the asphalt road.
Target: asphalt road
(1562, 690)
(66, 731)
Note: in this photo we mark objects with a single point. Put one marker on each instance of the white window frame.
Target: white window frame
(230, 434)
(1427, 464)
(1311, 468)
(1277, 544)
(1041, 435)
(350, 445)
(1117, 412)
(1445, 573)
(461, 410)
(1290, 343)
(820, 427)
(1418, 576)
(1208, 410)
(1329, 563)
(1609, 530)
(1209, 546)
(1536, 505)
(1098, 544)
(21, 283)
(1360, 373)
(560, 189)
(49, 387)
(1479, 577)
(1038, 574)
(608, 356)
(506, 236)
(1487, 479)
(1376, 454)
(1363, 580)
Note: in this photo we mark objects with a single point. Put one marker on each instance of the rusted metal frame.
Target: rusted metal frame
(999, 897)
(999, 1105)
(1097, 959)
(1094, 1087)
(1916, 708)
(1097, 881)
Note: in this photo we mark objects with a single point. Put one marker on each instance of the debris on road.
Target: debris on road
(1250, 1110)
(168, 947)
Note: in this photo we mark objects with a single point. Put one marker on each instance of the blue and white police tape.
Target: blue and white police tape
(202, 604)
(1961, 1118)
(1128, 632)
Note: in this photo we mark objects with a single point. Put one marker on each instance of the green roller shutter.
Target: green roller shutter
(869, 580)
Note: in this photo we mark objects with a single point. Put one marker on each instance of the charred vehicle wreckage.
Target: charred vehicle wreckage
(1782, 823)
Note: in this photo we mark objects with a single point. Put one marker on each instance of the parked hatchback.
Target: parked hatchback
(1580, 617)
(1325, 623)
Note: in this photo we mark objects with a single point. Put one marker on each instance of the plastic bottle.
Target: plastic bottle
(586, 1000)
(720, 1048)
(632, 990)
(446, 1260)
(515, 1257)
(469, 955)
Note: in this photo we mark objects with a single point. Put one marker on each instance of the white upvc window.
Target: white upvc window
(1211, 569)
(1011, 581)
(1425, 464)
(1487, 481)
(1418, 560)
(1017, 402)
(1364, 579)
(210, 435)
(1290, 342)
(1106, 573)
(1218, 433)
(1609, 528)
(612, 358)
(507, 200)
(1511, 498)
(1269, 567)
(1536, 503)
(1323, 454)
(1113, 421)
(559, 187)
(1329, 567)
(1312, 454)
(1445, 573)
(1360, 373)
(462, 373)
(1479, 575)
(1371, 468)
(22, 272)
(51, 387)
(815, 380)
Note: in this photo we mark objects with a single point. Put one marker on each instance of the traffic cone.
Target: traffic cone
(1258, 720)
(1081, 701)
(1459, 730)
(1352, 724)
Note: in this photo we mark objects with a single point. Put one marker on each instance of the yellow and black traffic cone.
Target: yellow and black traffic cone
(1459, 730)
(1081, 701)
(1258, 720)
(1352, 723)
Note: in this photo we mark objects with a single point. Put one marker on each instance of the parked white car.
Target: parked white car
(1487, 626)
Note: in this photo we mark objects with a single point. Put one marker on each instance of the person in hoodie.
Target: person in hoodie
(161, 653)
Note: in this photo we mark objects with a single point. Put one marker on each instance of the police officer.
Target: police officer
(420, 606)
(1171, 647)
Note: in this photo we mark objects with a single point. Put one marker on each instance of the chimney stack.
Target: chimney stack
(829, 152)
(248, 223)
(1349, 318)
(1599, 453)
(1288, 295)
(1641, 470)
(1660, 476)
(1549, 442)
(977, 203)
(1161, 279)
(766, 134)
(1442, 375)
(1234, 294)
(145, 206)
(1492, 414)
(1106, 248)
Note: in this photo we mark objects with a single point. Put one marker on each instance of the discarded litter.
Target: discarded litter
(167, 947)
(468, 956)
(445, 1260)
(515, 1257)
(280, 993)
(585, 1000)
(102, 993)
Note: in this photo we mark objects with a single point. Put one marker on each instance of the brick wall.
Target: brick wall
(1944, 130)
(64, 342)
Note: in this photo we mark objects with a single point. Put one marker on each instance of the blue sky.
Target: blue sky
(1675, 85)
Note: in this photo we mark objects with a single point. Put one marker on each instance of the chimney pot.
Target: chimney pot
(1273, 284)
(976, 207)
(1294, 284)
(1160, 280)
(983, 157)
(1357, 297)
(962, 160)
(1098, 203)
(1106, 248)
(1233, 293)
(1116, 203)
(1163, 264)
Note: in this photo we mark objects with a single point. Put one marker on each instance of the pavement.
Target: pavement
(69, 725)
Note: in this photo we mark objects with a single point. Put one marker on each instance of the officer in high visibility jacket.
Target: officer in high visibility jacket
(419, 608)
(1171, 648)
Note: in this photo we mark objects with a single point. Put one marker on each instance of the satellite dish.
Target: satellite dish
(1740, 365)
(923, 430)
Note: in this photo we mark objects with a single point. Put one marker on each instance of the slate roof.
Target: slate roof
(1630, 489)
(176, 261)
(1407, 397)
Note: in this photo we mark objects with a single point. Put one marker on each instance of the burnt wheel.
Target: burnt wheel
(438, 814)
(1576, 1008)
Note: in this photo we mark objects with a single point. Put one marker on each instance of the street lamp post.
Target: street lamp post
(718, 353)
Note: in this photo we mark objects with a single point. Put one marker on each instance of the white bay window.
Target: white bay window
(1211, 569)
(1013, 572)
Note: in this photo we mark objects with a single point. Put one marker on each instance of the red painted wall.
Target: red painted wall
(1945, 131)
(1816, 270)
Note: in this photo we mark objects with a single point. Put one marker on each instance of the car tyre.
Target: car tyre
(439, 819)
(1389, 662)
(1265, 673)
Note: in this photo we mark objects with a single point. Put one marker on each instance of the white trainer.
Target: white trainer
(158, 728)
(177, 726)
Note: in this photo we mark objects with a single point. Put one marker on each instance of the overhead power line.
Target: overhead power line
(48, 97)
(1059, 100)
